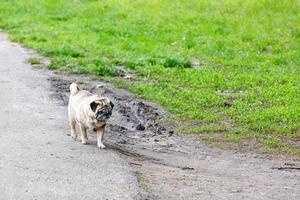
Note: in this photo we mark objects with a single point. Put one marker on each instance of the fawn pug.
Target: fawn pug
(88, 111)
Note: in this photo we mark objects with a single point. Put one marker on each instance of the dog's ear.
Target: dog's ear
(111, 104)
(93, 106)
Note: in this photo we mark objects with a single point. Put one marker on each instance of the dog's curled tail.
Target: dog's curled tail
(74, 89)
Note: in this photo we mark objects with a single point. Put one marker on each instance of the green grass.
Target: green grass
(188, 129)
(249, 51)
(236, 134)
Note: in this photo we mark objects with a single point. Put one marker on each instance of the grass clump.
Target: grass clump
(142, 181)
(33, 61)
(209, 138)
(177, 62)
(236, 134)
(272, 142)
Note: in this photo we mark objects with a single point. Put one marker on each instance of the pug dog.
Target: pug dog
(89, 111)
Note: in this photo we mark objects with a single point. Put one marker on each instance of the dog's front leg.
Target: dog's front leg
(100, 133)
(84, 138)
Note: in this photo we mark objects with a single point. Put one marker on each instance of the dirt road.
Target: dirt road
(39, 160)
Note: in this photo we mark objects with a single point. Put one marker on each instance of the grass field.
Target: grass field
(220, 66)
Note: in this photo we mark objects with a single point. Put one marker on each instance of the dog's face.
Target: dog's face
(102, 109)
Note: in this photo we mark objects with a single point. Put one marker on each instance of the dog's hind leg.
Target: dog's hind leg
(72, 124)
(84, 138)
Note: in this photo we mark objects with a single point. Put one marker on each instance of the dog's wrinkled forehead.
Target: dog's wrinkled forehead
(101, 103)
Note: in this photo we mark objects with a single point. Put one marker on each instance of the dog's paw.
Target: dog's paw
(85, 142)
(101, 146)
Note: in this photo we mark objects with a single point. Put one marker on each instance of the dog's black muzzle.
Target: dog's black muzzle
(104, 114)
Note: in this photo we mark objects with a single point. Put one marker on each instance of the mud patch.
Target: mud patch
(60, 90)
